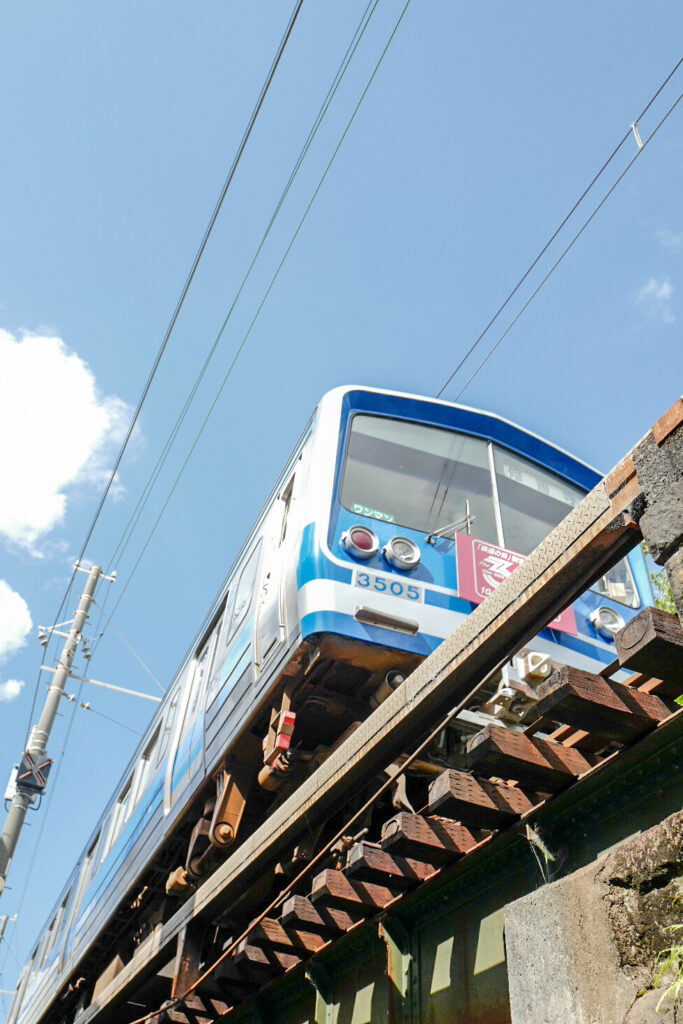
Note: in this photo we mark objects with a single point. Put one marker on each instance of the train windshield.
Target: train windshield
(418, 476)
(532, 501)
(428, 478)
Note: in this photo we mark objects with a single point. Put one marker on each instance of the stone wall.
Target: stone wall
(582, 950)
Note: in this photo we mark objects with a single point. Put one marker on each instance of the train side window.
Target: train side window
(244, 590)
(203, 668)
(86, 872)
(33, 969)
(229, 602)
(119, 816)
(42, 947)
(168, 725)
(57, 922)
(144, 769)
(618, 584)
(286, 499)
(48, 942)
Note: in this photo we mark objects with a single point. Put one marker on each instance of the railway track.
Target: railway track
(255, 919)
(510, 776)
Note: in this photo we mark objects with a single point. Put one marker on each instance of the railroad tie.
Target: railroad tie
(477, 803)
(368, 862)
(270, 932)
(333, 889)
(328, 922)
(652, 643)
(263, 961)
(589, 702)
(432, 839)
(542, 765)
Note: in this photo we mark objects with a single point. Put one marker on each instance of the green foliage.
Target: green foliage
(670, 959)
(661, 587)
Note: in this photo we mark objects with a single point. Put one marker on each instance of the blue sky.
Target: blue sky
(481, 128)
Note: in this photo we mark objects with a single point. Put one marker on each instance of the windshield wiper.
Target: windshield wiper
(466, 521)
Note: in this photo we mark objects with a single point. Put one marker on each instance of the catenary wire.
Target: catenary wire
(85, 706)
(135, 515)
(363, 25)
(554, 235)
(196, 261)
(256, 315)
(134, 653)
(169, 330)
(566, 250)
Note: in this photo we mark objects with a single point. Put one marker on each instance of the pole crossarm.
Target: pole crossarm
(108, 686)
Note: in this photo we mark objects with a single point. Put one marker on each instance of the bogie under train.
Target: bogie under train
(394, 516)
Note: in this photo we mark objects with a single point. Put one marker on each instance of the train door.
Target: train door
(80, 890)
(205, 667)
(270, 615)
(188, 742)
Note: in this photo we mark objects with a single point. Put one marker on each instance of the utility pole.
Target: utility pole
(31, 776)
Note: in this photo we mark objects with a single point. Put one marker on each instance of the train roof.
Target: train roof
(507, 426)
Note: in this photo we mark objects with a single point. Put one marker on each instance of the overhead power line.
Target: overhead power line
(247, 334)
(566, 250)
(554, 235)
(135, 515)
(195, 263)
(164, 343)
(176, 312)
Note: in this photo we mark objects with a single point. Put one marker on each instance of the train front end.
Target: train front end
(422, 509)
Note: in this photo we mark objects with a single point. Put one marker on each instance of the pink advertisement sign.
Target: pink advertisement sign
(482, 567)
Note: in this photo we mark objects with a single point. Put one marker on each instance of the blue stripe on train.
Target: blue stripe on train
(313, 564)
(346, 625)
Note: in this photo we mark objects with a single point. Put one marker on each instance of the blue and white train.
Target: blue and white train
(348, 579)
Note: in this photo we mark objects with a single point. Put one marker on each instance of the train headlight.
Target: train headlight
(360, 542)
(607, 621)
(401, 553)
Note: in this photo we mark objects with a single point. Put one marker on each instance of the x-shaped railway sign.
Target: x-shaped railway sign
(32, 774)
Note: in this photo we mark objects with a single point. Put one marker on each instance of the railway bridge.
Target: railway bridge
(535, 885)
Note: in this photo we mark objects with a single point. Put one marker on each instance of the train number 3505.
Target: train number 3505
(394, 588)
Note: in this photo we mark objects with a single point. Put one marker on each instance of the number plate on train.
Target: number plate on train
(382, 585)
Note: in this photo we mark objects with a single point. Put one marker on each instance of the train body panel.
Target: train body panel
(400, 467)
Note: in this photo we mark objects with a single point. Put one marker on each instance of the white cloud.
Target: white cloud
(669, 239)
(655, 297)
(15, 623)
(56, 431)
(10, 690)
(15, 620)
